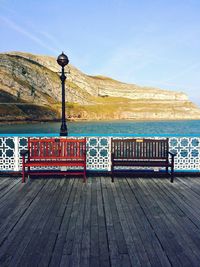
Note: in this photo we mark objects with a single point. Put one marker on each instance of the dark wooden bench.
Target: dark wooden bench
(54, 152)
(141, 153)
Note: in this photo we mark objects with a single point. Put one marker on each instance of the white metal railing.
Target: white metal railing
(98, 152)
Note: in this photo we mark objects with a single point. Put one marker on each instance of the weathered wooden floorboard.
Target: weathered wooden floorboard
(131, 222)
(116, 258)
(61, 229)
(15, 201)
(86, 235)
(173, 239)
(181, 224)
(156, 254)
(135, 257)
(75, 256)
(20, 211)
(4, 180)
(41, 233)
(7, 188)
(189, 196)
(103, 236)
(5, 183)
(29, 222)
(51, 233)
(152, 212)
(185, 207)
(178, 224)
(94, 243)
(67, 259)
(148, 246)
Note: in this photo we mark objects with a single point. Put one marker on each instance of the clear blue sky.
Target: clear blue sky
(147, 42)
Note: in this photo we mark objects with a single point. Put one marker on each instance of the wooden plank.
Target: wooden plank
(184, 223)
(135, 222)
(52, 235)
(188, 205)
(103, 236)
(134, 253)
(151, 211)
(7, 186)
(4, 182)
(121, 242)
(69, 240)
(182, 227)
(140, 229)
(14, 198)
(20, 209)
(75, 256)
(40, 235)
(115, 258)
(94, 235)
(64, 225)
(129, 211)
(182, 251)
(85, 243)
(21, 233)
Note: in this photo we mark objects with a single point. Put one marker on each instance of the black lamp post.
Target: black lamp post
(63, 61)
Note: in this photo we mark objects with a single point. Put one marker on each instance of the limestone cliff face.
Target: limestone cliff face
(30, 90)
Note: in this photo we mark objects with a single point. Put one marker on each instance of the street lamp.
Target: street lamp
(63, 60)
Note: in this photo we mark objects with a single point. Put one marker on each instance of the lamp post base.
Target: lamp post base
(63, 130)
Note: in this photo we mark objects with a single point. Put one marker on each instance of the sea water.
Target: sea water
(183, 128)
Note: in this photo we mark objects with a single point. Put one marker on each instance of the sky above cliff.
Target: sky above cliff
(153, 43)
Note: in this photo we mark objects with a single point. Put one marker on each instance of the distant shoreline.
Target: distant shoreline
(11, 122)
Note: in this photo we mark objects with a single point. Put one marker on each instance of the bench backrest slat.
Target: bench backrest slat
(140, 148)
(56, 148)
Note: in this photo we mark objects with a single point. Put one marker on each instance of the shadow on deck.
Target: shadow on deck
(132, 222)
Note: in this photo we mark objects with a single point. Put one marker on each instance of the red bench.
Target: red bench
(54, 152)
(141, 153)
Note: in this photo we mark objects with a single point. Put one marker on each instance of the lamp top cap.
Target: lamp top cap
(62, 60)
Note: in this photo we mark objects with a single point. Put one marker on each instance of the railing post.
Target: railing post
(109, 154)
(16, 154)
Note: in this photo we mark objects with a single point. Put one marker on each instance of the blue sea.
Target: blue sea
(148, 128)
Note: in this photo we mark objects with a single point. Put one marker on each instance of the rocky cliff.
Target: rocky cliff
(30, 90)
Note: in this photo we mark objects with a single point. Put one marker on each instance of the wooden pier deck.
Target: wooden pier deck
(132, 222)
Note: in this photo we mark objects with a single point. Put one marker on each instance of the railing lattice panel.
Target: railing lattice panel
(98, 153)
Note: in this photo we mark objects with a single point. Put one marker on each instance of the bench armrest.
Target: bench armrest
(172, 157)
(172, 154)
(24, 152)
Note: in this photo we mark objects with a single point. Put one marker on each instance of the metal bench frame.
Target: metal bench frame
(54, 152)
(141, 153)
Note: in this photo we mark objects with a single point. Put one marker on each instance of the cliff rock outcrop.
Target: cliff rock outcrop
(30, 90)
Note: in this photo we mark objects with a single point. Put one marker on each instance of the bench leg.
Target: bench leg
(172, 175)
(112, 174)
(23, 169)
(23, 176)
(29, 172)
(84, 178)
(84, 174)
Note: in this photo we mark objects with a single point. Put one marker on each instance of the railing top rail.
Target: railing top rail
(97, 135)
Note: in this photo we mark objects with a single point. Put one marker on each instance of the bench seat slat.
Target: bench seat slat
(57, 173)
(54, 163)
(142, 163)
